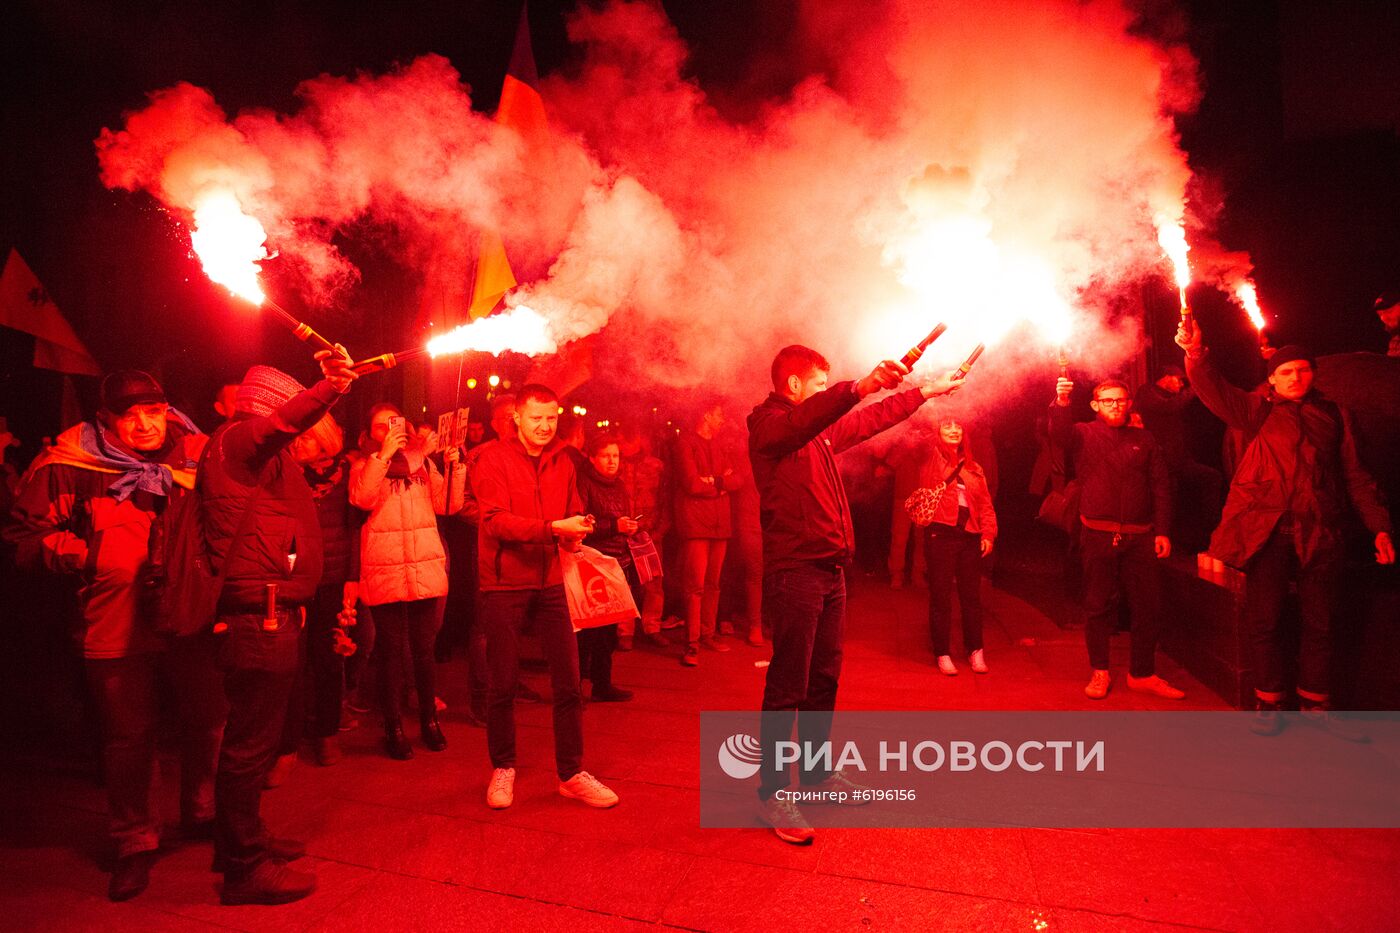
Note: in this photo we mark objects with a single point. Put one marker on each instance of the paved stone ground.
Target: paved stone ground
(411, 846)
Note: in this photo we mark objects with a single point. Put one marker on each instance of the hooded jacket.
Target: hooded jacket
(401, 553)
(1299, 460)
(802, 502)
(68, 520)
(518, 497)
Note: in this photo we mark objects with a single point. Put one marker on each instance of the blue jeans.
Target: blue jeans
(806, 606)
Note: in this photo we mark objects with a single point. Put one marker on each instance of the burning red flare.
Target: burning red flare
(520, 329)
(1248, 298)
(1172, 237)
(229, 244)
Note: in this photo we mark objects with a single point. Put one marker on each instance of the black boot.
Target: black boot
(395, 742)
(433, 738)
(131, 875)
(271, 882)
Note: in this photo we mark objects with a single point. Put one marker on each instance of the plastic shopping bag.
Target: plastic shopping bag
(596, 588)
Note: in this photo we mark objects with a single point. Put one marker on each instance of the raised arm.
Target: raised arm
(1231, 404)
(777, 434)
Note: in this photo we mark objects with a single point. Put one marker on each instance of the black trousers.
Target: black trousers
(1267, 576)
(504, 614)
(127, 696)
(806, 606)
(952, 557)
(259, 668)
(1110, 569)
(410, 626)
(595, 654)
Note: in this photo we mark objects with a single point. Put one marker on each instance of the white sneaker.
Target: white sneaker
(584, 786)
(978, 660)
(946, 665)
(500, 793)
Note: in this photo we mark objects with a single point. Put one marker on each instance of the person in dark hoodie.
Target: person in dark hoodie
(1283, 518)
(808, 540)
(321, 452)
(265, 536)
(605, 498)
(527, 496)
(1125, 513)
(89, 510)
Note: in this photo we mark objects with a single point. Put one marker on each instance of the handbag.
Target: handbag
(922, 504)
(644, 557)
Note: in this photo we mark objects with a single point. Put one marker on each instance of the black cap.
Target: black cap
(1171, 369)
(1387, 298)
(1289, 354)
(121, 390)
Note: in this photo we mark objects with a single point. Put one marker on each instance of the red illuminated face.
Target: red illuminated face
(1293, 379)
(803, 389)
(537, 422)
(306, 449)
(1112, 406)
(951, 433)
(607, 461)
(141, 427)
(503, 421)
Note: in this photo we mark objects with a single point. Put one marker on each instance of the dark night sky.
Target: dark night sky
(1299, 124)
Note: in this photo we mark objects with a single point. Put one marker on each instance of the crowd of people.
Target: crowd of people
(337, 576)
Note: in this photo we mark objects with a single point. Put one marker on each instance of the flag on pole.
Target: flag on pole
(522, 109)
(25, 306)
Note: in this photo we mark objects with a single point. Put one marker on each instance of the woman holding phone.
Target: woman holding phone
(403, 564)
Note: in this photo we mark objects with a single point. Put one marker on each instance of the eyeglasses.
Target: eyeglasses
(1114, 402)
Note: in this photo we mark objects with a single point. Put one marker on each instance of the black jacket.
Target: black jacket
(1121, 471)
(607, 501)
(340, 521)
(284, 520)
(1299, 460)
(802, 502)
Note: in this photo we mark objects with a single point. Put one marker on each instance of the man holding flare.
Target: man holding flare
(808, 539)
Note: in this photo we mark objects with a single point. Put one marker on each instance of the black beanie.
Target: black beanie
(1287, 355)
(121, 390)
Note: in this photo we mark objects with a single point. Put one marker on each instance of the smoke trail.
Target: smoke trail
(995, 166)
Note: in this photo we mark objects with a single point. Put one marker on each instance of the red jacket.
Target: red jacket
(702, 509)
(519, 496)
(68, 522)
(802, 503)
(982, 517)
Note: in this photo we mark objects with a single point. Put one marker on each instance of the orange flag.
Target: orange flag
(522, 109)
(26, 306)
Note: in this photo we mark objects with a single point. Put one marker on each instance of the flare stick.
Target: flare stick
(966, 367)
(917, 351)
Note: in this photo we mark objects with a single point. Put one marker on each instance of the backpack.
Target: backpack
(183, 588)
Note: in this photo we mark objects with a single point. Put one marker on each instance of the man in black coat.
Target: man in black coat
(808, 540)
(1283, 517)
(1125, 511)
(265, 537)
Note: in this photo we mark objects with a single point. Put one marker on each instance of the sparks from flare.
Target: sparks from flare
(229, 244)
(1172, 238)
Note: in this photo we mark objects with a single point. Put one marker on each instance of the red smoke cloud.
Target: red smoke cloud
(981, 164)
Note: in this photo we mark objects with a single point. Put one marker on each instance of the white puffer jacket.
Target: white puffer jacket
(401, 553)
